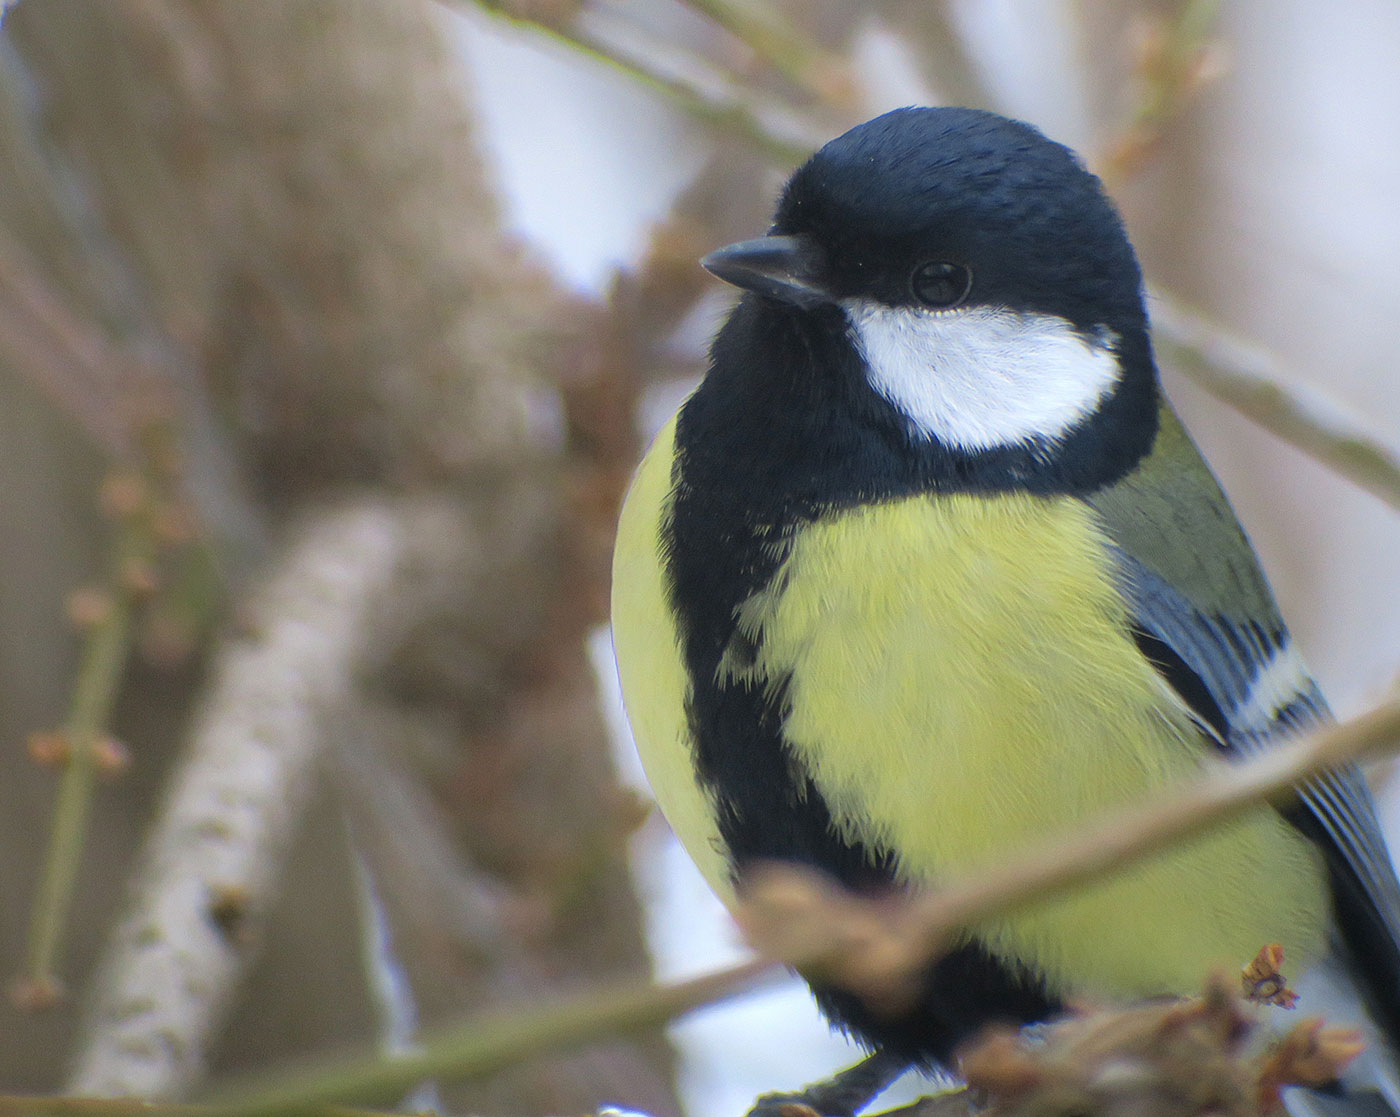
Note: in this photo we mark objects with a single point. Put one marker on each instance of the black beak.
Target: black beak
(787, 268)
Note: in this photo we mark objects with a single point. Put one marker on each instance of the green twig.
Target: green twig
(67, 1106)
(1250, 381)
(489, 1042)
(103, 659)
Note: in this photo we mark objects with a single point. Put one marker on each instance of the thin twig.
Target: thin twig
(65, 1105)
(1252, 382)
(785, 47)
(1178, 63)
(103, 660)
(686, 80)
(499, 1039)
(490, 1042)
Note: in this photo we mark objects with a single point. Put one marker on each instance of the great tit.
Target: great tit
(927, 570)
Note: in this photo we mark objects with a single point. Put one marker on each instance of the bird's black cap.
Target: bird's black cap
(964, 185)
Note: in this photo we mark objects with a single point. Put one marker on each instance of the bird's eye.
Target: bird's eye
(940, 284)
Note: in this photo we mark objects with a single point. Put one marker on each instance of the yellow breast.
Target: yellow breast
(963, 685)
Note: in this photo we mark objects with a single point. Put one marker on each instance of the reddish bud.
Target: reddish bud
(88, 607)
(49, 749)
(122, 495)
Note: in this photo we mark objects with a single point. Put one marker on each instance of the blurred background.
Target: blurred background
(329, 333)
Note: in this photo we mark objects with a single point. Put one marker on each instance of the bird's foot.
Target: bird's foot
(842, 1095)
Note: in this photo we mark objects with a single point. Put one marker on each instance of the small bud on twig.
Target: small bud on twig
(173, 525)
(123, 494)
(49, 748)
(111, 757)
(34, 994)
(138, 577)
(1263, 983)
(89, 606)
(1310, 1055)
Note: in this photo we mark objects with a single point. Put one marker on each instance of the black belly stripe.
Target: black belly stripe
(772, 441)
(770, 809)
(964, 991)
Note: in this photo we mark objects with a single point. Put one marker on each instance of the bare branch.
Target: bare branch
(213, 857)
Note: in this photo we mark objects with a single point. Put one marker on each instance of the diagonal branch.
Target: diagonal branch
(212, 860)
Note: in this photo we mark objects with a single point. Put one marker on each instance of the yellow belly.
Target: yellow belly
(963, 686)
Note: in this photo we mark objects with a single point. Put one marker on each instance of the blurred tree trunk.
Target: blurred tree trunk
(276, 214)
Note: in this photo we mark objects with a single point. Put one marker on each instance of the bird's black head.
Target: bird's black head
(977, 279)
(921, 187)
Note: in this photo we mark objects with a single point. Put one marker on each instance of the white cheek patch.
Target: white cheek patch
(985, 377)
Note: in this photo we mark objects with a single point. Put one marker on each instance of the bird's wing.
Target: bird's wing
(1205, 616)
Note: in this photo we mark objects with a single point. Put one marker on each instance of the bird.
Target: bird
(927, 570)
